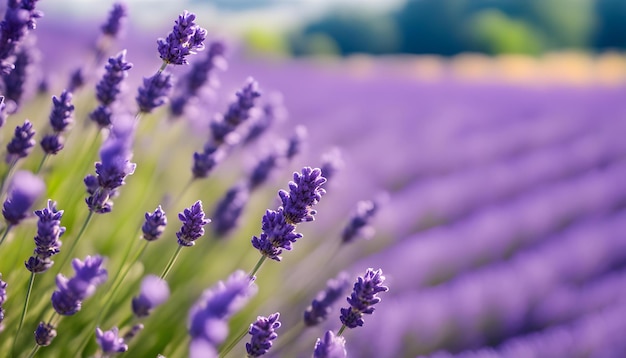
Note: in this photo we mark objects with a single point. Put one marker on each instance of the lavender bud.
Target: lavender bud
(154, 291)
(321, 306)
(25, 189)
(22, 143)
(358, 224)
(70, 293)
(263, 169)
(52, 144)
(102, 116)
(304, 192)
(228, 211)
(277, 235)
(47, 242)
(62, 112)
(77, 80)
(331, 347)
(203, 163)
(263, 332)
(238, 111)
(154, 225)
(193, 222)
(110, 342)
(109, 87)
(44, 334)
(273, 111)
(14, 82)
(154, 92)
(186, 38)
(113, 23)
(363, 298)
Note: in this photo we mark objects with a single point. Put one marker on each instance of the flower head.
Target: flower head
(154, 92)
(52, 143)
(228, 210)
(25, 189)
(154, 225)
(330, 347)
(193, 224)
(113, 23)
(110, 342)
(154, 291)
(263, 332)
(277, 235)
(203, 163)
(116, 70)
(304, 192)
(47, 242)
(358, 224)
(62, 111)
(44, 334)
(321, 306)
(363, 298)
(22, 142)
(238, 111)
(70, 293)
(186, 38)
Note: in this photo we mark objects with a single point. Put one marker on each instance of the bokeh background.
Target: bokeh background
(491, 132)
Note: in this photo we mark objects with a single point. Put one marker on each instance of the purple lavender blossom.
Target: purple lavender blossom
(154, 291)
(358, 224)
(263, 332)
(52, 143)
(24, 190)
(47, 242)
(110, 342)
(363, 298)
(273, 111)
(77, 80)
(3, 298)
(238, 111)
(228, 210)
(15, 81)
(62, 112)
(109, 87)
(304, 192)
(294, 144)
(263, 169)
(331, 347)
(154, 225)
(208, 326)
(102, 116)
(154, 92)
(67, 299)
(198, 76)
(193, 221)
(22, 143)
(203, 163)
(321, 306)
(186, 38)
(277, 235)
(44, 334)
(113, 24)
(19, 17)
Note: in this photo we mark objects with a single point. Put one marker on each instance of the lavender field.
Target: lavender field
(170, 198)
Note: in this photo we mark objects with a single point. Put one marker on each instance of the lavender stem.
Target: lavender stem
(168, 268)
(19, 327)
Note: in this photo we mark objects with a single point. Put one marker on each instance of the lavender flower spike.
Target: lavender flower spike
(24, 190)
(154, 225)
(109, 87)
(47, 242)
(113, 24)
(277, 235)
(44, 334)
(331, 347)
(228, 211)
(19, 17)
(154, 291)
(321, 306)
(67, 299)
(186, 38)
(237, 113)
(22, 143)
(263, 332)
(3, 298)
(304, 192)
(154, 92)
(110, 342)
(363, 298)
(358, 224)
(193, 221)
(62, 112)
(208, 326)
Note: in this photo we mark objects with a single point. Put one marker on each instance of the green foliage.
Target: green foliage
(492, 32)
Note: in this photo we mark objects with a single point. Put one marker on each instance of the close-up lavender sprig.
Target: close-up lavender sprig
(61, 116)
(263, 332)
(109, 87)
(363, 298)
(23, 192)
(19, 18)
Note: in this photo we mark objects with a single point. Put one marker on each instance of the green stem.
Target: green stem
(33, 351)
(257, 267)
(168, 268)
(343, 327)
(6, 175)
(43, 160)
(6, 233)
(75, 242)
(19, 327)
(232, 344)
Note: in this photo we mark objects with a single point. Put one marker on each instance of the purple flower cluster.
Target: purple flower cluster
(228, 210)
(263, 332)
(113, 168)
(61, 117)
(24, 190)
(154, 291)
(22, 142)
(47, 242)
(68, 297)
(193, 224)
(358, 226)
(113, 24)
(331, 346)
(110, 342)
(279, 226)
(186, 38)
(44, 334)
(109, 88)
(15, 82)
(321, 306)
(19, 18)
(208, 326)
(363, 298)
(154, 225)
(237, 113)
(154, 92)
